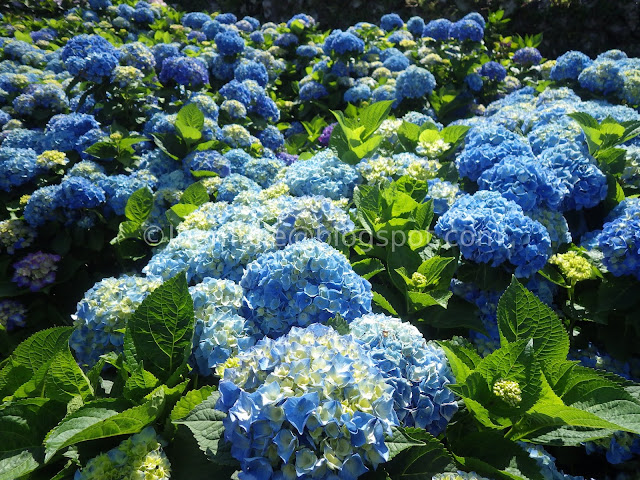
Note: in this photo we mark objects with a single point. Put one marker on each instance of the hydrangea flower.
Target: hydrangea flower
(414, 82)
(17, 167)
(527, 56)
(136, 458)
(234, 184)
(466, 30)
(619, 240)
(103, 313)
(323, 174)
(438, 29)
(229, 42)
(488, 228)
(391, 21)
(90, 57)
(417, 370)
(312, 90)
(306, 282)
(443, 193)
(187, 71)
(569, 66)
(15, 234)
(309, 404)
(36, 271)
(13, 314)
(493, 71)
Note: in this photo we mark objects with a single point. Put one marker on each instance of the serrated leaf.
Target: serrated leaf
(139, 384)
(195, 194)
(24, 422)
(191, 116)
(101, 419)
(63, 379)
(368, 267)
(17, 463)
(190, 134)
(162, 326)
(30, 356)
(383, 303)
(179, 212)
(102, 150)
(373, 116)
(139, 205)
(205, 422)
(454, 133)
(191, 400)
(462, 360)
(339, 324)
(399, 441)
(521, 315)
(421, 461)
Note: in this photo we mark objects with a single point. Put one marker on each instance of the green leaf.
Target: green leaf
(204, 173)
(373, 116)
(339, 324)
(191, 116)
(368, 267)
(162, 326)
(462, 360)
(454, 133)
(420, 300)
(191, 400)
(408, 134)
(23, 36)
(399, 441)
(179, 212)
(205, 422)
(190, 134)
(139, 384)
(521, 315)
(18, 463)
(438, 271)
(195, 194)
(25, 422)
(584, 119)
(367, 148)
(415, 188)
(139, 205)
(103, 150)
(30, 356)
(422, 461)
(101, 419)
(383, 303)
(63, 379)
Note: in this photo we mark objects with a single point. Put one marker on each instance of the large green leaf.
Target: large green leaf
(191, 400)
(139, 205)
(205, 422)
(17, 463)
(195, 194)
(25, 422)
(162, 326)
(373, 116)
(101, 419)
(63, 379)
(191, 116)
(521, 316)
(419, 462)
(399, 441)
(462, 360)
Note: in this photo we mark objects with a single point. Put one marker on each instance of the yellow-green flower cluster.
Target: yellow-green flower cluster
(508, 391)
(573, 266)
(51, 159)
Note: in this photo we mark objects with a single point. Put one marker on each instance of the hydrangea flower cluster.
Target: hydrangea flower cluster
(417, 370)
(136, 458)
(36, 271)
(13, 314)
(619, 240)
(306, 282)
(15, 234)
(283, 421)
(90, 57)
(103, 313)
(488, 228)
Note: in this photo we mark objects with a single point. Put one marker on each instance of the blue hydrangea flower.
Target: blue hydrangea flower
(474, 82)
(323, 174)
(187, 71)
(162, 51)
(601, 77)
(357, 93)
(619, 240)
(195, 19)
(555, 223)
(578, 171)
(36, 270)
(416, 25)
(569, 65)
(77, 192)
(251, 70)
(103, 313)
(343, 43)
(138, 55)
(90, 57)
(263, 171)
(312, 90)
(65, 132)
(525, 181)
(417, 370)
(527, 56)
(476, 17)
(311, 217)
(488, 228)
(229, 42)
(443, 193)
(438, 29)
(466, 30)
(284, 421)
(396, 63)
(414, 82)
(235, 184)
(13, 315)
(17, 167)
(390, 21)
(493, 71)
(207, 160)
(307, 282)
(271, 137)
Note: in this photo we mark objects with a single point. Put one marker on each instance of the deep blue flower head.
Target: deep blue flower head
(118, 189)
(144, 16)
(17, 167)
(41, 206)
(307, 20)
(556, 225)
(323, 174)
(357, 93)
(343, 43)
(266, 108)
(90, 57)
(64, 132)
(138, 55)
(390, 21)
(602, 77)
(13, 315)
(466, 30)
(227, 18)
(527, 56)
(250, 70)
(414, 82)
(485, 145)
(271, 137)
(312, 91)
(187, 71)
(229, 43)
(286, 40)
(416, 25)
(78, 192)
(587, 185)
(36, 270)
(99, 4)
(525, 181)
(45, 34)
(396, 63)
(443, 193)
(418, 371)
(161, 51)
(474, 82)
(263, 171)
(195, 19)
(398, 36)
(476, 17)
(307, 282)
(488, 228)
(569, 66)
(438, 29)
(284, 421)
(620, 239)
(493, 71)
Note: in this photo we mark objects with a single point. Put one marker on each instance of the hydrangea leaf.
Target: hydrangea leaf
(25, 422)
(373, 116)
(205, 422)
(101, 419)
(521, 315)
(162, 326)
(368, 267)
(195, 194)
(17, 463)
(139, 205)
(421, 461)
(462, 360)
(192, 399)
(190, 116)
(400, 440)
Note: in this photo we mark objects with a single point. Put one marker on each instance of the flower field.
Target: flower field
(231, 248)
